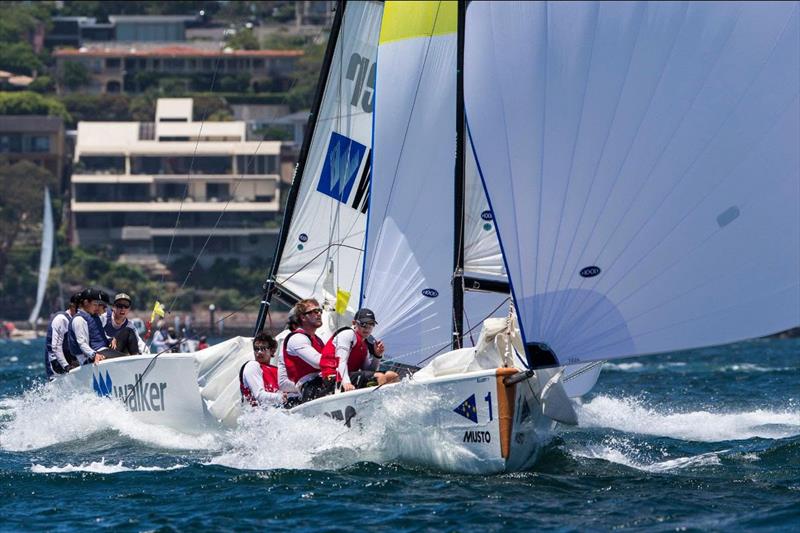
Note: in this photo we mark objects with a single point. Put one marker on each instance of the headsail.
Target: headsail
(322, 244)
(46, 257)
(641, 161)
(409, 261)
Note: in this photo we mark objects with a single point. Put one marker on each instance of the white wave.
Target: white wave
(13, 358)
(624, 367)
(751, 367)
(99, 467)
(390, 430)
(624, 453)
(632, 416)
(46, 416)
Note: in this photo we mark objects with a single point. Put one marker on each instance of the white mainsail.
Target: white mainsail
(46, 256)
(642, 164)
(324, 241)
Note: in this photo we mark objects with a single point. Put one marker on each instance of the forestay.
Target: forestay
(325, 237)
(409, 260)
(642, 166)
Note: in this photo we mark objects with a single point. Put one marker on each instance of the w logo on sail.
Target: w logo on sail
(102, 387)
(342, 163)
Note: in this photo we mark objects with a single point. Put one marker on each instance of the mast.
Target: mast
(458, 212)
(270, 285)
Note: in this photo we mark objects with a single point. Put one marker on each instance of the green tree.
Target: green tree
(113, 107)
(207, 105)
(43, 85)
(305, 77)
(28, 103)
(19, 58)
(143, 107)
(243, 39)
(20, 204)
(75, 75)
(20, 19)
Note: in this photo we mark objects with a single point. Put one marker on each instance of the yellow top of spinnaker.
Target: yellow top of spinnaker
(407, 19)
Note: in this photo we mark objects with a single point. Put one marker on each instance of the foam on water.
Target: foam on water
(46, 415)
(623, 452)
(632, 416)
(395, 428)
(99, 467)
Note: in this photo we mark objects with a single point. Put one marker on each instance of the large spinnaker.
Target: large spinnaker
(642, 166)
(324, 240)
(409, 262)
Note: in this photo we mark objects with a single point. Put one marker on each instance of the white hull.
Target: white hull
(504, 432)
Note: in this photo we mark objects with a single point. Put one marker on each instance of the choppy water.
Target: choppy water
(706, 439)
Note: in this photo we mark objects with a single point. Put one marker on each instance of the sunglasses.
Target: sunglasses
(366, 324)
(317, 310)
(262, 349)
(122, 306)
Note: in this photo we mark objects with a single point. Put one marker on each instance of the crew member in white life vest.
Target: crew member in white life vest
(258, 379)
(352, 356)
(57, 357)
(298, 360)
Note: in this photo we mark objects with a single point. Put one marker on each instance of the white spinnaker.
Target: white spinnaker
(329, 221)
(642, 164)
(46, 257)
(482, 255)
(409, 261)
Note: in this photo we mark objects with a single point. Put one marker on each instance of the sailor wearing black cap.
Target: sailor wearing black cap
(117, 326)
(352, 356)
(86, 336)
(57, 357)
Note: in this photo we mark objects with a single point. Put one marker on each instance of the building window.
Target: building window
(218, 192)
(40, 143)
(181, 165)
(113, 63)
(101, 164)
(11, 143)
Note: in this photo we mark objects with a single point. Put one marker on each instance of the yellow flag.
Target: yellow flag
(342, 297)
(158, 309)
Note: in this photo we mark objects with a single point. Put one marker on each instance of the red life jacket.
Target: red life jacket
(270, 374)
(296, 367)
(328, 363)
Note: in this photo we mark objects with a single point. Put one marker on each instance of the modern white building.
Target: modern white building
(129, 180)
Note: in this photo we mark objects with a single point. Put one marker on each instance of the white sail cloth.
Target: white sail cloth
(325, 238)
(410, 235)
(642, 167)
(46, 256)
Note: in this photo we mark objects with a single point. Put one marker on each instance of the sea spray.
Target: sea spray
(633, 416)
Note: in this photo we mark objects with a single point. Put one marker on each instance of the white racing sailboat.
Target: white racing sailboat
(625, 175)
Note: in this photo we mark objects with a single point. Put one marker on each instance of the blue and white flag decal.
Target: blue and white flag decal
(102, 387)
(340, 169)
(467, 409)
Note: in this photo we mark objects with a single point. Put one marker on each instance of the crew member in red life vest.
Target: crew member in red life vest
(258, 379)
(298, 360)
(351, 357)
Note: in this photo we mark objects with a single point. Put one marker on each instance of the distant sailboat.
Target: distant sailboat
(46, 257)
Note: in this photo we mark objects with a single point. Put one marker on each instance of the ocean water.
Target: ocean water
(703, 440)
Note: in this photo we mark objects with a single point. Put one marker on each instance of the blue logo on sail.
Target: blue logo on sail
(430, 293)
(102, 387)
(468, 409)
(340, 169)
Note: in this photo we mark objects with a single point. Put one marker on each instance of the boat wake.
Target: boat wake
(623, 452)
(633, 416)
(46, 416)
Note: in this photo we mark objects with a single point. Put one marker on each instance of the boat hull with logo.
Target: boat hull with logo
(473, 423)
(168, 395)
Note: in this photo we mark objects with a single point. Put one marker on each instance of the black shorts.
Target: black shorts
(316, 388)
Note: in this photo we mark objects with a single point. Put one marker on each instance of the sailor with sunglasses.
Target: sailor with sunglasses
(118, 327)
(298, 360)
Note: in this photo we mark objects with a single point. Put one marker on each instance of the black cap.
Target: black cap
(75, 299)
(90, 294)
(105, 298)
(365, 315)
